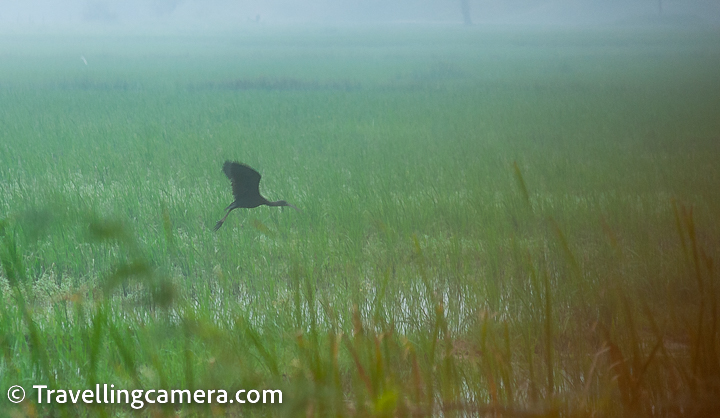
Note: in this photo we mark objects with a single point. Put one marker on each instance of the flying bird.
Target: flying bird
(245, 187)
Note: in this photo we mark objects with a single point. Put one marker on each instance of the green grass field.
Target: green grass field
(493, 222)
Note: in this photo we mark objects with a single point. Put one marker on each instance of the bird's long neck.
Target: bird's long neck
(277, 203)
(281, 203)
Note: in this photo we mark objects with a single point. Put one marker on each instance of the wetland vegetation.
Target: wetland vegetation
(509, 223)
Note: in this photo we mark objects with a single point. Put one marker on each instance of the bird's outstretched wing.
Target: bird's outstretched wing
(245, 181)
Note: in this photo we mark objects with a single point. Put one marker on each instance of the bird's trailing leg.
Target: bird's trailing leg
(220, 222)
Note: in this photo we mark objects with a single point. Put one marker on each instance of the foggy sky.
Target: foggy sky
(225, 14)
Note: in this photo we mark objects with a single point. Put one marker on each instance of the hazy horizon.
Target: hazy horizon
(57, 15)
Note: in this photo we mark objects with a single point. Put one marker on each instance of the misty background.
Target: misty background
(36, 15)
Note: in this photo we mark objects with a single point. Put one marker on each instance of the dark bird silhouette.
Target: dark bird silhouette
(246, 189)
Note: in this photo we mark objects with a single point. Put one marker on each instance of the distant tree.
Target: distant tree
(98, 11)
(465, 7)
(164, 7)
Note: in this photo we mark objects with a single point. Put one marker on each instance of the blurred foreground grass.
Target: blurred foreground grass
(493, 223)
